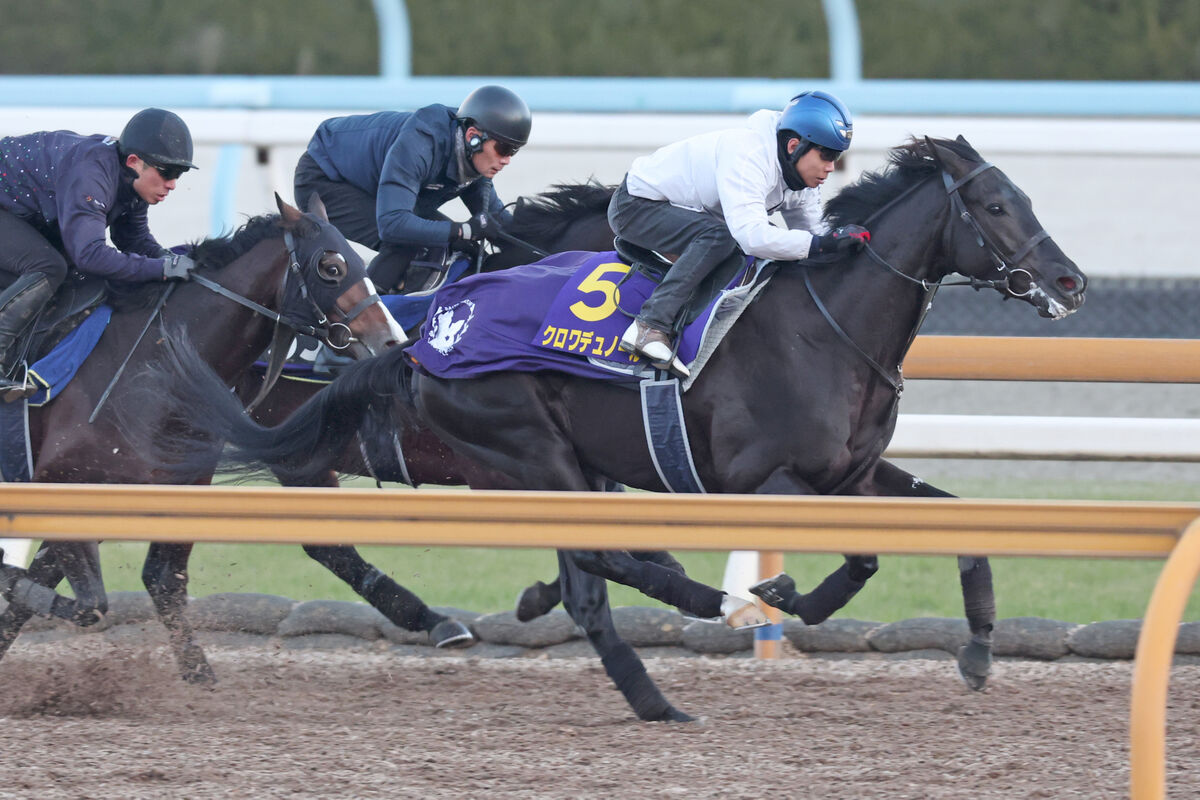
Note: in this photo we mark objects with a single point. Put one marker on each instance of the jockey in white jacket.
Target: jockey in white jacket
(709, 196)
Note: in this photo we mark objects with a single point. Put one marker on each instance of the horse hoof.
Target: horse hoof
(451, 633)
(742, 614)
(531, 604)
(775, 591)
(199, 675)
(194, 667)
(675, 715)
(975, 664)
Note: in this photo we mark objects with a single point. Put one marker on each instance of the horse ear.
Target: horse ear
(291, 215)
(316, 207)
(946, 158)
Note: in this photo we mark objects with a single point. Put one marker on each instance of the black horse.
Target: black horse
(568, 217)
(277, 272)
(799, 398)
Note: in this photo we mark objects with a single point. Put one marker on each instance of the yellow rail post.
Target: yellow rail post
(1152, 668)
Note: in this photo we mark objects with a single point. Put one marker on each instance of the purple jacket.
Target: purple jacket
(76, 186)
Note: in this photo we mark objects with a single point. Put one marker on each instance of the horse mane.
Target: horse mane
(545, 217)
(214, 253)
(908, 164)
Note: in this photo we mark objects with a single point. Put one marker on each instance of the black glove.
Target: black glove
(479, 227)
(178, 268)
(846, 239)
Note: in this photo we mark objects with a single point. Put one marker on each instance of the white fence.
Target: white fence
(1104, 208)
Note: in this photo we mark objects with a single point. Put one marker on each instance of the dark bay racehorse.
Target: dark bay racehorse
(290, 270)
(569, 217)
(799, 398)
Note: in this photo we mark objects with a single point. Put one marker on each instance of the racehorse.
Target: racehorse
(287, 272)
(569, 217)
(800, 397)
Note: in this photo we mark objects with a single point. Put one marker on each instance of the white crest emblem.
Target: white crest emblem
(449, 325)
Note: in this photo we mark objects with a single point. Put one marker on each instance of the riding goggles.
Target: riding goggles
(828, 153)
(168, 173)
(503, 149)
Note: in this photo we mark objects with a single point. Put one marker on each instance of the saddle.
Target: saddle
(654, 265)
(71, 304)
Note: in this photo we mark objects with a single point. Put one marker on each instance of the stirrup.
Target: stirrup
(11, 390)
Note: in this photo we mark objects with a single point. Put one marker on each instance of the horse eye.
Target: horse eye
(332, 266)
(996, 210)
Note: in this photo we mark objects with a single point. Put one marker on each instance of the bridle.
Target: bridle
(335, 334)
(1007, 266)
(287, 326)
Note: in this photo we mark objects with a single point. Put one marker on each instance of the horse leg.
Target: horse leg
(832, 594)
(538, 599)
(974, 574)
(586, 599)
(164, 574)
(80, 563)
(42, 570)
(392, 600)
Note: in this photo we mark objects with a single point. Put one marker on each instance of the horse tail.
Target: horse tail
(218, 435)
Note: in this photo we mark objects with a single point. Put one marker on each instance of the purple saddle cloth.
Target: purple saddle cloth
(565, 313)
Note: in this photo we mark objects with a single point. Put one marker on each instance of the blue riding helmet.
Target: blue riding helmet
(818, 117)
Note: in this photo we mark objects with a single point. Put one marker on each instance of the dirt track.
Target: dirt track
(85, 719)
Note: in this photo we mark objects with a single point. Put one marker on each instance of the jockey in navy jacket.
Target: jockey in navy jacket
(382, 177)
(407, 160)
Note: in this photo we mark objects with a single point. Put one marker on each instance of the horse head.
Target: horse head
(333, 292)
(1000, 241)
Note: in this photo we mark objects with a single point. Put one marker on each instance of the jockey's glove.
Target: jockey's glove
(478, 228)
(846, 239)
(178, 268)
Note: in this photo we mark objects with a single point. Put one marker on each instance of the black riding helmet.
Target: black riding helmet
(499, 113)
(159, 137)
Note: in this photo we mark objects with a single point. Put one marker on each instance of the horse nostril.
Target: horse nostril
(1067, 284)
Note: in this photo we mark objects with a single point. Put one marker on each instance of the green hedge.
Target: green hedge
(951, 39)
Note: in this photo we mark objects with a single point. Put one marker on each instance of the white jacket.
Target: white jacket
(734, 174)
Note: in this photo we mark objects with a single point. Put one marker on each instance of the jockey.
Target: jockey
(60, 192)
(710, 195)
(383, 176)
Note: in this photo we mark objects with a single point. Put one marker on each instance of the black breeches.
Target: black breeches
(24, 250)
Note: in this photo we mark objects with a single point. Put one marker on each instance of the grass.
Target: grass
(486, 580)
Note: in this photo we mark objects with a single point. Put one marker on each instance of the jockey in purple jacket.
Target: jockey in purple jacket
(60, 193)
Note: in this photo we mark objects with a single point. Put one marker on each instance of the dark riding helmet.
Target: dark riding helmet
(159, 137)
(499, 113)
(817, 119)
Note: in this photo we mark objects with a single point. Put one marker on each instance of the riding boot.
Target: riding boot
(20, 303)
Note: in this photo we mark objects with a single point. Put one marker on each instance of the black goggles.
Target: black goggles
(829, 154)
(168, 173)
(504, 149)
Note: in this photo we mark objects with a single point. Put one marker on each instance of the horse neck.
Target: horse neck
(226, 334)
(877, 308)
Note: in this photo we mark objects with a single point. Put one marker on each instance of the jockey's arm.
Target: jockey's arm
(83, 202)
(742, 185)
